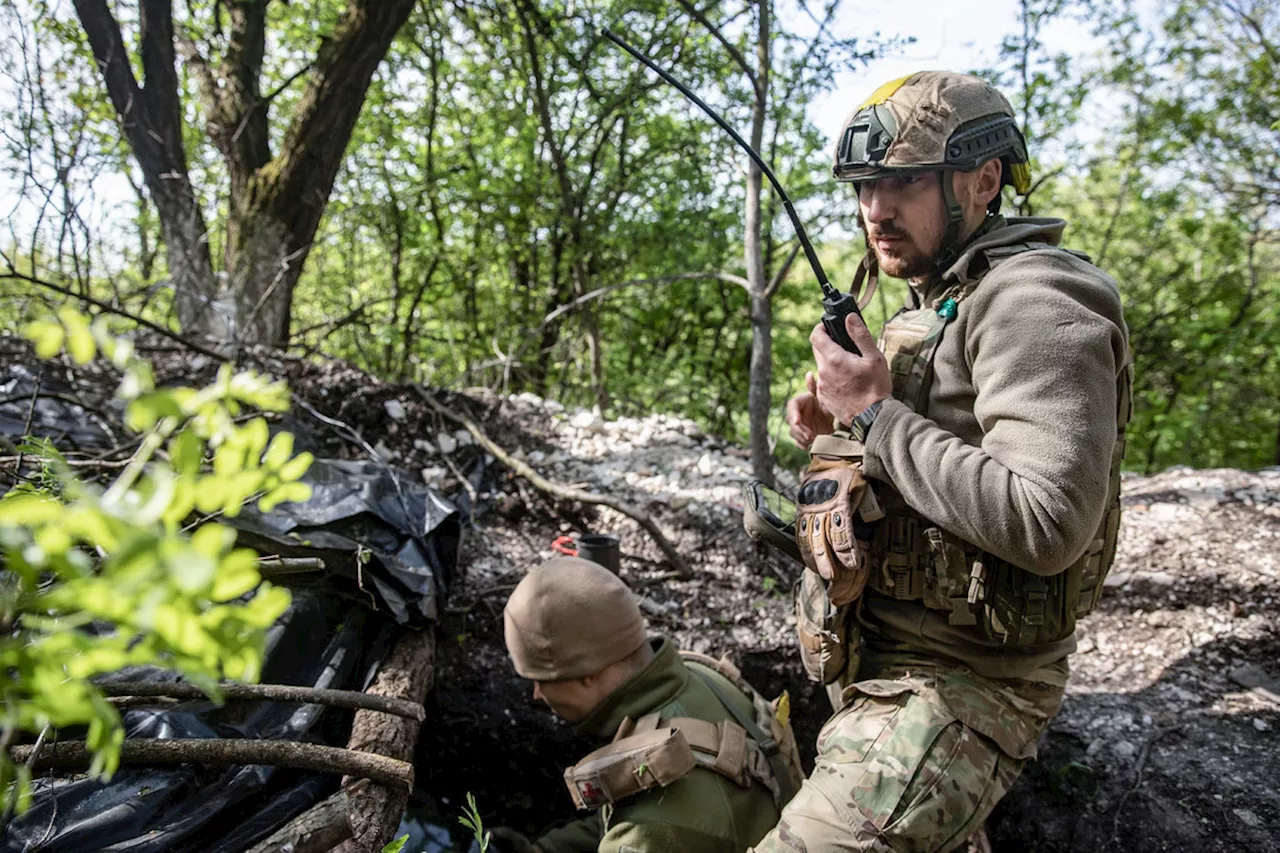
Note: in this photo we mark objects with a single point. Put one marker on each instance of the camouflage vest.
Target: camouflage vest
(921, 561)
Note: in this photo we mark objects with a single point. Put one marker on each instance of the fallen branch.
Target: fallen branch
(73, 755)
(316, 830)
(560, 491)
(271, 692)
(374, 811)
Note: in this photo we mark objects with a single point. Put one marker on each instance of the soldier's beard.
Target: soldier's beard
(914, 254)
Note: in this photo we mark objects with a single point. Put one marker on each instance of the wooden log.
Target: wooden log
(316, 830)
(374, 810)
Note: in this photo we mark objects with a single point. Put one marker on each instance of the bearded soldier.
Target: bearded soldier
(964, 512)
(695, 758)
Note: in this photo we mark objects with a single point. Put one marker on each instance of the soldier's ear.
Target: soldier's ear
(987, 185)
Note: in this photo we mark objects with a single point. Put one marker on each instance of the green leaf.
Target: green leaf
(397, 845)
(80, 341)
(278, 452)
(186, 452)
(237, 574)
(46, 335)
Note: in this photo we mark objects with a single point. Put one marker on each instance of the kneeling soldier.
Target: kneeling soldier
(697, 760)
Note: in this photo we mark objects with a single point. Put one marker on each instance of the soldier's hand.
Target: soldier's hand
(849, 383)
(510, 841)
(806, 419)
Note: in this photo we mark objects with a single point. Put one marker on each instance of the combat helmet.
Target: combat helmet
(933, 121)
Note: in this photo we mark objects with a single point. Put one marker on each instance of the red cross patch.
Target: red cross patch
(591, 795)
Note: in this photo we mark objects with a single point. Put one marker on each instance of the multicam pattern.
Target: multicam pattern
(914, 761)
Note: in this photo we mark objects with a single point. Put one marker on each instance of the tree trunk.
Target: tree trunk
(275, 203)
(759, 396)
(151, 118)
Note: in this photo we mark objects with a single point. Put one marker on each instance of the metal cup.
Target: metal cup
(600, 548)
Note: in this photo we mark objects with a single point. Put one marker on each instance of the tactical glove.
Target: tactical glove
(834, 511)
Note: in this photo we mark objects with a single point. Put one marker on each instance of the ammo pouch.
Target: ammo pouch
(834, 508)
(829, 636)
(653, 752)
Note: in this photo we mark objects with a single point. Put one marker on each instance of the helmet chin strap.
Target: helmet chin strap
(951, 244)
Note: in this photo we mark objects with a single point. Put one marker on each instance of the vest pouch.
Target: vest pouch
(948, 575)
(1027, 610)
(829, 641)
(628, 766)
(908, 341)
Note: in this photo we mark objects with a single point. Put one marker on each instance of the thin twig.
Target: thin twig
(271, 692)
(74, 755)
(31, 413)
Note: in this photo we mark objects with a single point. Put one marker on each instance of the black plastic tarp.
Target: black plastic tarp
(385, 538)
(389, 545)
(320, 641)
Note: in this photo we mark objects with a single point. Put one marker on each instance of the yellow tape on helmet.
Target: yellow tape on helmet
(1021, 173)
(885, 92)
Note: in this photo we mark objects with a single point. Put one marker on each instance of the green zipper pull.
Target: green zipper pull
(947, 310)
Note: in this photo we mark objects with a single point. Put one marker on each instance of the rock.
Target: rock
(587, 421)
(706, 465)
(1247, 817)
(1124, 749)
(446, 442)
(1261, 724)
(463, 438)
(433, 475)
(385, 453)
(395, 409)
(424, 445)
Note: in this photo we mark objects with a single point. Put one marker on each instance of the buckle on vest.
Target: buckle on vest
(1035, 592)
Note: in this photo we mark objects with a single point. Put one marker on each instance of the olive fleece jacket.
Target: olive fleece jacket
(704, 811)
(1015, 450)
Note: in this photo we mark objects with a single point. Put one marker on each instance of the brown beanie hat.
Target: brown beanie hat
(569, 618)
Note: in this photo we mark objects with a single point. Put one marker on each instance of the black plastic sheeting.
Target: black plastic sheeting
(321, 641)
(407, 537)
(385, 540)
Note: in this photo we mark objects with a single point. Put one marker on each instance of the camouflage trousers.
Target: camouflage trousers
(914, 760)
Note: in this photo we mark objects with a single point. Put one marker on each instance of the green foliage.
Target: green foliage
(396, 845)
(95, 579)
(471, 819)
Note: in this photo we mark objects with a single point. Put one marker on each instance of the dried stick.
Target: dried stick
(566, 492)
(270, 692)
(73, 755)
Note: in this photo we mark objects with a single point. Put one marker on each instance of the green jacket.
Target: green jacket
(702, 812)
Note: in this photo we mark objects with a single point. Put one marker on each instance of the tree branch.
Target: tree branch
(734, 53)
(782, 272)
(567, 493)
(111, 309)
(271, 692)
(73, 755)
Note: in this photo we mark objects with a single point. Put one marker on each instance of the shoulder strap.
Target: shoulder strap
(765, 741)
